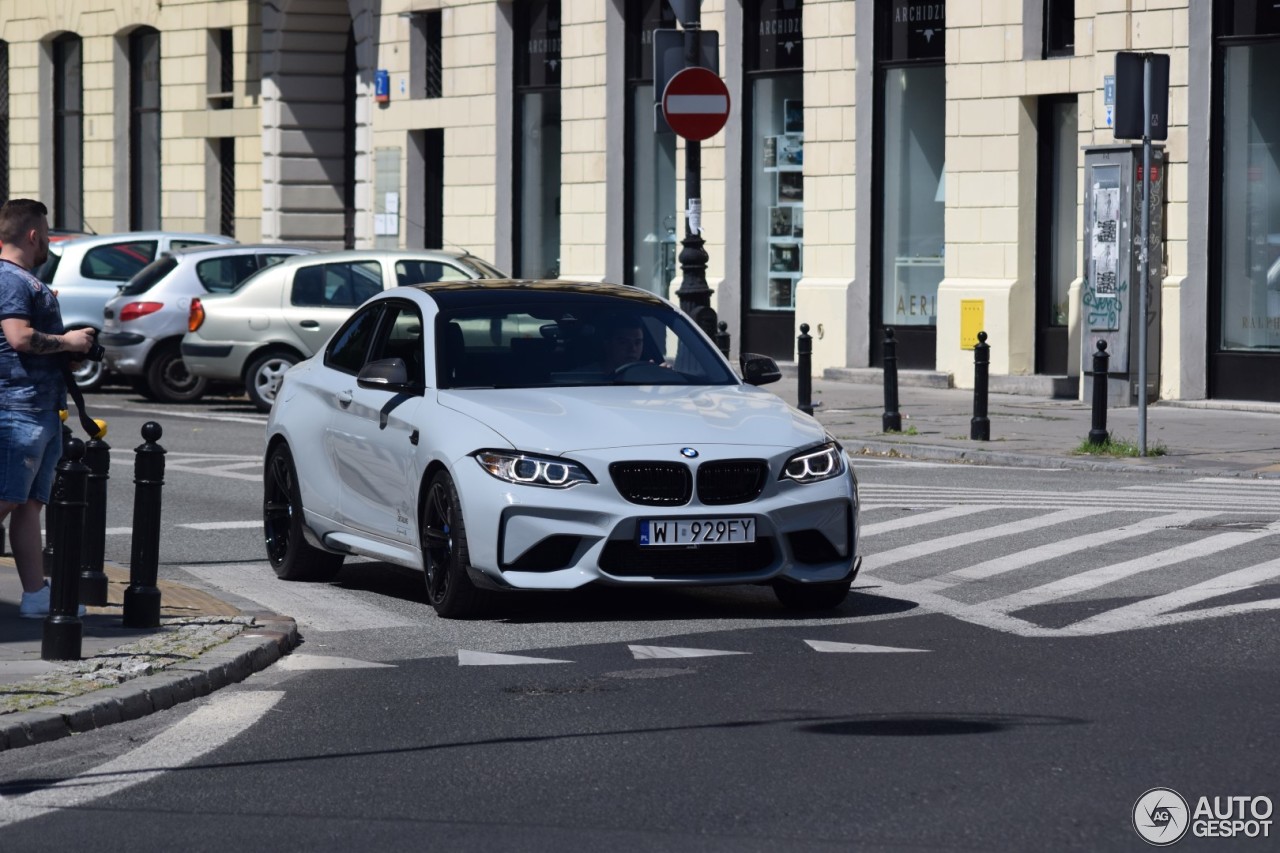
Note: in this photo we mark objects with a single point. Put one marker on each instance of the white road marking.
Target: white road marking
(1054, 550)
(309, 663)
(118, 531)
(856, 648)
(470, 658)
(226, 716)
(1139, 612)
(1094, 578)
(919, 519)
(875, 562)
(661, 652)
(316, 606)
(176, 413)
(222, 525)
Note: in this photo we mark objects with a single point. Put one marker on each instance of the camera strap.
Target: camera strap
(90, 426)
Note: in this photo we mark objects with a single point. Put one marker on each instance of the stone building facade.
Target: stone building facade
(904, 164)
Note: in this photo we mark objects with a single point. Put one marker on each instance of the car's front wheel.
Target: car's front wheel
(262, 379)
(444, 551)
(292, 557)
(812, 596)
(169, 380)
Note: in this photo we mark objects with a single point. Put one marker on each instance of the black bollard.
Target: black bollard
(51, 514)
(722, 338)
(891, 421)
(62, 627)
(1098, 434)
(93, 581)
(142, 598)
(980, 424)
(804, 368)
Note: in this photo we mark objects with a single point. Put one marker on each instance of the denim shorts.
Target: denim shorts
(30, 447)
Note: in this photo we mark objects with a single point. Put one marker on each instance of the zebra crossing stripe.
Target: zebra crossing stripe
(1090, 580)
(875, 562)
(1139, 612)
(660, 652)
(919, 519)
(470, 658)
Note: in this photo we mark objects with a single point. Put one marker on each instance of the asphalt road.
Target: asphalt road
(1026, 653)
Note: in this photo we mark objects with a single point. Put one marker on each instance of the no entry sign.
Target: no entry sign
(696, 103)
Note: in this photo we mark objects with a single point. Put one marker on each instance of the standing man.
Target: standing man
(32, 390)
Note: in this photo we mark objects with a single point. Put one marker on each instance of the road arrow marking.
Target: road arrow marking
(656, 652)
(827, 646)
(469, 658)
(304, 663)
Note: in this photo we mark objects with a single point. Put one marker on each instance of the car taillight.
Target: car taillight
(134, 310)
(195, 317)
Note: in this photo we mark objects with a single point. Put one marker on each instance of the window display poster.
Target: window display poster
(790, 187)
(784, 257)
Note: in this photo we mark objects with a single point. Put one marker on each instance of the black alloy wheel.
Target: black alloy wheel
(291, 556)
(444, 552)
(170, 381)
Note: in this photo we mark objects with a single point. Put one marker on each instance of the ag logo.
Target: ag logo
(1161, 817)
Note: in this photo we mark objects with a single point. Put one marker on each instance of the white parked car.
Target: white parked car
(547, 435)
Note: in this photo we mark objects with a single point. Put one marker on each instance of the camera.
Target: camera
(95, 353)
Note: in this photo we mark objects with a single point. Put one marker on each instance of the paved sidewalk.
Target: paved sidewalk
(203, 644)
(206, 643)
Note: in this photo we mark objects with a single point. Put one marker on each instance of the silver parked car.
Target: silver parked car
(143, 325)
(286, 313)
(87, 271)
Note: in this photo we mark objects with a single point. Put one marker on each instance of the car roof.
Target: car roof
(459, 293)
(381, 255)
(228, 248)
(92, 240)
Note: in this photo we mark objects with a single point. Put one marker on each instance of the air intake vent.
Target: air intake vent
(653, 483)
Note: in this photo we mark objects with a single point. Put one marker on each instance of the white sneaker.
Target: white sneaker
(35, 605)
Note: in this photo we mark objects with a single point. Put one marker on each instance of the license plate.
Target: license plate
(699, 531)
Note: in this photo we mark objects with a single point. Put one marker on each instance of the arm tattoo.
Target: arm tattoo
(41, 344)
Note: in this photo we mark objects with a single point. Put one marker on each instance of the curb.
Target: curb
(253, 650)
(937, 453)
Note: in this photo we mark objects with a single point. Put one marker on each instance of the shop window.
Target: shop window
(68, 132)
(775, 165)
(144, 129)
(537, 143)
(651, 247)
(1059, 28)
(910, 142)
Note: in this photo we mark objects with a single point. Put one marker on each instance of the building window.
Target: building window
(774, 63)
(68, 133)
(651, 247)
(426, 67)
(4, 120)
(537, 144)
(910, 141)
(224, 150)
(221, 69)
(424, 210)
(144, 129)
(1248, 226)
(1059, 28)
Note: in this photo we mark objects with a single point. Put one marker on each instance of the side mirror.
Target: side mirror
(758, 369)
(387, 374)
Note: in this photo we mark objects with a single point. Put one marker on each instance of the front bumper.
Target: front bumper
(564, 539)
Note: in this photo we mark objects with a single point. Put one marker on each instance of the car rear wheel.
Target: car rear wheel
(169, 380)
(444, 552)
(292, 557)
(812, 596)
(262, 379)
(90, 375)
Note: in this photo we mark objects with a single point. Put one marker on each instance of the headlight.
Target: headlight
(529, 470)
(815, 465)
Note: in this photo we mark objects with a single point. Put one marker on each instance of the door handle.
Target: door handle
(310, 324)
(344, 398)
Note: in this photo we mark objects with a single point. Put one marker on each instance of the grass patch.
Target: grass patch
(911, 430)
(1120, 447)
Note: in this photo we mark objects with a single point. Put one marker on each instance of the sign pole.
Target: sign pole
(695, 295)
(1144, 256)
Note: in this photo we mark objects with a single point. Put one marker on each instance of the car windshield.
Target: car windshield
(483, 269)
(556, 339)
(150, 275)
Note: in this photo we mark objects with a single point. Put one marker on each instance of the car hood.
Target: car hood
(564, 420)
